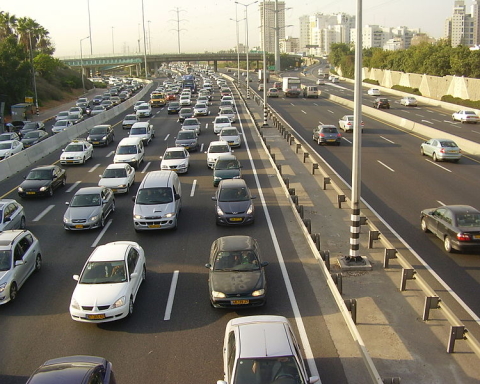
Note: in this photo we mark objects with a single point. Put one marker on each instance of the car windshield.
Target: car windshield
(186, 135)
(271, 370)
(4, 145)
(227, 164)
(468, 220)
(448, 144)
(5, 260)
(190, 122)
(86, 200)
(31, 135)
(186, 111)
(114, 173)
(63, 113)
(222, 120)
(329, 130)
(61, 123)
(149, 196)
(40, 174)
(143, 107)
(138, 131)
(219, 149)
(98, 130)
(229, 132)
(74, 148)
(104, 272)
(469, 113)
(30, 125)
(127, 150)
(233, 194)
(174, 155)
(198, 106)
(130, 117)
(236, 261)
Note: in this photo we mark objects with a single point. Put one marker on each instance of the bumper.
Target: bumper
(153, 225)
(237, 303)
(99, 316)
(235, 220)
(33, 193)
(81, 226)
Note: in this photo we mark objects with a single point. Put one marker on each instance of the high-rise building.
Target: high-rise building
(475, 11)
(272, 9)
(461, 26)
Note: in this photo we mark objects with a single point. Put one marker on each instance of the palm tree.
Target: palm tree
(8, 23)
(33, 36)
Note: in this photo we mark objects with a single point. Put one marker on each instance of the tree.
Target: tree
(8, 24)
(46, 65)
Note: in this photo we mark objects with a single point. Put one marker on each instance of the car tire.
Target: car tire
(13, 291)
(422, 152)
(423, 225)
(130, 307)
(22, 223)
(434, 156)
(447, 244)
(38, 262)
(50, 192)
(83, 162)
(102, 222)
(113, 206)
(144, 273)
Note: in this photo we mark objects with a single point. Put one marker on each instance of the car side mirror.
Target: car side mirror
(19, 262)
(208, 265)
(177, 196)
(76, 277)
(7, 219)
(253, 197)
(214, 198)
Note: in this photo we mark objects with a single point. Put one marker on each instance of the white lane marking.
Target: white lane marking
(206, 126)
(315, 104)
(426, 121)
(194, 185)
(438, 165)
(390, 141)
(475, 132)
(146, 167)
(93, 168)
(100, 235)
(166, 137)
(348, 141)
(304, 112)
(330, 111)
(292, 104)
(171, 295)
(288, 284)
(44, 212)
(74, 185)
(111, 153)
(441, 203)
(386, 166)
(201, 147)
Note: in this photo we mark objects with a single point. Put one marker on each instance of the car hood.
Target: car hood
(4, 275)
(173, 162)
(4, 151)
(226, 173)
(97, 136)
(74, 213)
(236, 282)
(112, 182)
(99, 294)
(234, 206)
(35, 183)
(30, 141)
(72, 154)
(154, 210)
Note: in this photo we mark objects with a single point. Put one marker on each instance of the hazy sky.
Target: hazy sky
(204, 25)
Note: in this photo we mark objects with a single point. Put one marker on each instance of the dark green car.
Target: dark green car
(226, 167)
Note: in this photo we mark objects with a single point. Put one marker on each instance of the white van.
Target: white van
(144, 130)
(158, 201)
(130, 150)
(310, 91)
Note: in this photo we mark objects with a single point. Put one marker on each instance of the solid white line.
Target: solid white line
(110, 154)
(44, 212)
(438, 165)
(166, 137)
(194, 185)
(171, 295)
(146, 167)
(390, 141)
(201, 147)
(74, 185)
(100, 235)
(304, 112)
(386, 166)
(93, 168)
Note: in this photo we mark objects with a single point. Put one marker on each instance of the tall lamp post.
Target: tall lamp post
(264, 25)
(81, 62)
(246, 42)
(113, 43)
(144, 41)
(238, 47)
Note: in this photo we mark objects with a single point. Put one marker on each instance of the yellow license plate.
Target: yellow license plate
(79, 226)
(240, 302)
(96, 142)
(96, 317)
(154, 226)
(114, 190)
(30, 193)
(236, 219)
(476, 237)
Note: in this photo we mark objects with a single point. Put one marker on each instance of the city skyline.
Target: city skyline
(207, 26)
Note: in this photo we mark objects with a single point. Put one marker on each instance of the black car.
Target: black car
(101, 135)
(381, 102)
(34, 137)
(42, 181)
(458, 226)
(97, 100)
(185, 113)
(74, 370)
(226, 167)
(173, 107)
(234, 205)
(236, 276)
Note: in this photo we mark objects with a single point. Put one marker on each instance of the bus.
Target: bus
(188, 81)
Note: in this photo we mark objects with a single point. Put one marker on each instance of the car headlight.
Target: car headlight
(94, 218)
(20, 189)
(2, 287)
(89, 138)
(122, 186)
(218, 295)
(259, 292)
(74, 304)
(138, 217)
(169, 215)
(250, 209)
(104, 138)
(119, 303)
(217, 178)
(66, 220)
(43, 189)
(219, 211)
(164, 166)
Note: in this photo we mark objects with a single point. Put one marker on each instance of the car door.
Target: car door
(229, 356)
(429, 146)
(20, 254)
(107, 201)
(12, 213)
(57, 179)
(134, 267)
(436, 221)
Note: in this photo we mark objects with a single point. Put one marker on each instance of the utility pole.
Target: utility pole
(178, 21)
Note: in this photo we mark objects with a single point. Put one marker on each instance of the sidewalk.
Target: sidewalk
(389, 321)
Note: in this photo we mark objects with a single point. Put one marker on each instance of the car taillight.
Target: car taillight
(339, 135)
(442, 150)
(463, 237)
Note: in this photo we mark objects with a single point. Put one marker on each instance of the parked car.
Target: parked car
(109, 282)
(42, 181)
(441, 149)
(77, 152)
(89, 208)
(101, 135)
(265, 344)
(10, 148)
(12, 215)
(233, 203)
(118, 177)
(465, 116)
(74, 370)
(381, 102)
(187, 139)
(408, 101)
(327, 134)
(234, 259)
(175, 159)
(20, 256)
(34, 137)
(458, 226)
(226, 167)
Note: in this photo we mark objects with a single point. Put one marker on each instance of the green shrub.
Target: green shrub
(414, 91)
(371, 81)
(99, 84)
(475, 104)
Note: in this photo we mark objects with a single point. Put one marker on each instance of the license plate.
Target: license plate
(69, 161)
(96, 142)
(235, 219)
(30, 193)
(240, 302)
(79, 226)
(96, 317)
(476, 237)
(154, 226)
(114, 190)
(331, 140)
(452, 151)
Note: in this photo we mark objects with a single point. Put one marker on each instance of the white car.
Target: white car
(77, 152)
(265, 345)
(346, 123)
(138, 103)
(118, 177)
(215, 149)
(408, 101)
(201, 109)
(108, 285)
(231, 136)
(143, 130)
(144, 110)
(175, 159)
(185, 100)
(465, 117)
(62, 115)
(129, 120)
(221, 122)
(9, 148)
(61, 125)
(374, 92)
(12, 215)
(227, 111)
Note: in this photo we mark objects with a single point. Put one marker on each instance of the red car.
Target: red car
(171, 97)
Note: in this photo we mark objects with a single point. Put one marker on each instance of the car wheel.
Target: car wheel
(64, 181)
(102, 222)
(38, 262)
(113, 206)
(83, 162)
(13, 291)
(130, 307)
(447, 244)
(423, 225)
(144, 273)
(421, 151)
(50, 192)
(22, 223)
(434, 157)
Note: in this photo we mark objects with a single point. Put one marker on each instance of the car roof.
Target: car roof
(140, 124)
(89, 190)
(218, 142)
(117, 166)
(130, 140)
(156, 178)
(461, 208)
(110, 251)
(6, 237)
(232, 183)
(43, 167)
(174, 149)
(227, 156)
(326, 126)
(235, 243)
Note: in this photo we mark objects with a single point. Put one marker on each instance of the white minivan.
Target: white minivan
(130, 150)
(158, 201)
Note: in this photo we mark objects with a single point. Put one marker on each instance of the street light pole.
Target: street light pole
(265, 107)
(113, 43)
(81, 62)
(144, 42)
(89, 27)
(238, 47)
(246, 42)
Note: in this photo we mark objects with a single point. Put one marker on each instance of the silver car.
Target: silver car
(201, 109)
(441, 149)
(187, 139)
(408, 101)
(192, 124)
(89, 208)
(12, 215)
